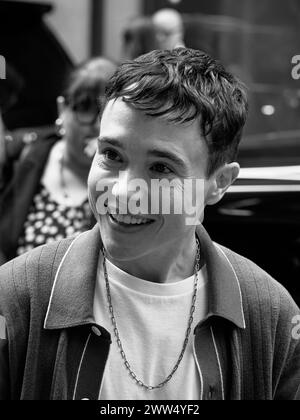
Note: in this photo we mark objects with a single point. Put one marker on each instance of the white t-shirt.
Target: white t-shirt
(152, 320)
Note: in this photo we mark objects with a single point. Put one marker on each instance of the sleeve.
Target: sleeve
(289, 384)
(4, 364)
(289, 381)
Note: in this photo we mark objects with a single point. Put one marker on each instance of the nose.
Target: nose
(121, 188)
(128, 187)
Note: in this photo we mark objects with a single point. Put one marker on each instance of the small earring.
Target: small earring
(59, 127)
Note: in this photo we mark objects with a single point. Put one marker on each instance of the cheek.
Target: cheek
(96, 174)
(100, 183)
(91, 182)
(208, 190)
(92, 177)
(173, 225)
(74, 132)
(78, 136)
(69, 122)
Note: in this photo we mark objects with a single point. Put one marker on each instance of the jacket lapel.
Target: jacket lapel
(71, 300)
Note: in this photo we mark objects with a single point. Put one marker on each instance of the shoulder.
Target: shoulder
(30, 275)
(261, 293)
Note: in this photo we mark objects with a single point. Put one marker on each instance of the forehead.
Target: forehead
(121, 121)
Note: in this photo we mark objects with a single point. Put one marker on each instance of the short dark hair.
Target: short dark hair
(183, 85)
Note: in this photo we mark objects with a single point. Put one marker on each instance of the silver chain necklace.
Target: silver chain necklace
(187, 333)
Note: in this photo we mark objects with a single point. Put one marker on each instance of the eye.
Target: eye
(161, 168)
(111, 155)
(109, 158)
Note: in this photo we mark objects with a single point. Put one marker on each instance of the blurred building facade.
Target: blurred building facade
(70, 20)
(255, 39)
(91, 27)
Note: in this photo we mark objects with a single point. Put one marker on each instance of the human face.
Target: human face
(147, 148)
(81, 132)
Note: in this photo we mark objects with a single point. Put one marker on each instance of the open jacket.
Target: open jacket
(248, 346)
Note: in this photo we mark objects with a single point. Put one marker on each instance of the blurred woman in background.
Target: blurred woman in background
(47, 198)
(10, 89)
(138, 38)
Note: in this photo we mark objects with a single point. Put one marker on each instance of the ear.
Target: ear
(220, 181)
(61, 104)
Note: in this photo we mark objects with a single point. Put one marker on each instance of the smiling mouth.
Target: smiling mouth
(127, 220)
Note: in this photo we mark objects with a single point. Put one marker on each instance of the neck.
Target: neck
(175, 263)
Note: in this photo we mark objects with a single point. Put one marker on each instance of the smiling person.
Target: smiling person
(145, 305)
(47, 198)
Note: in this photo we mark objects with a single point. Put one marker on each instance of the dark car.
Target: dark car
(37, 61)
(259, 218)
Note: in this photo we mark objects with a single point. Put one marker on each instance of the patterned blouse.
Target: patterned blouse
(49, 221)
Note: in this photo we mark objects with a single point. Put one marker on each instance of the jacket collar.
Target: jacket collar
(72, 295)
(224, 292)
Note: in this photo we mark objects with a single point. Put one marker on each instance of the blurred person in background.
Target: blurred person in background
(2, 149)
(10, 89)
(47, 197)
(169, 29)
(139, 37)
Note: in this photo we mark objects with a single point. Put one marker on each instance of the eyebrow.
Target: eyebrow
(165, 154)
(113, 142)
(159, 153)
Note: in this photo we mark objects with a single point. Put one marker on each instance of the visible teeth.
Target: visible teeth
(129, 220)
